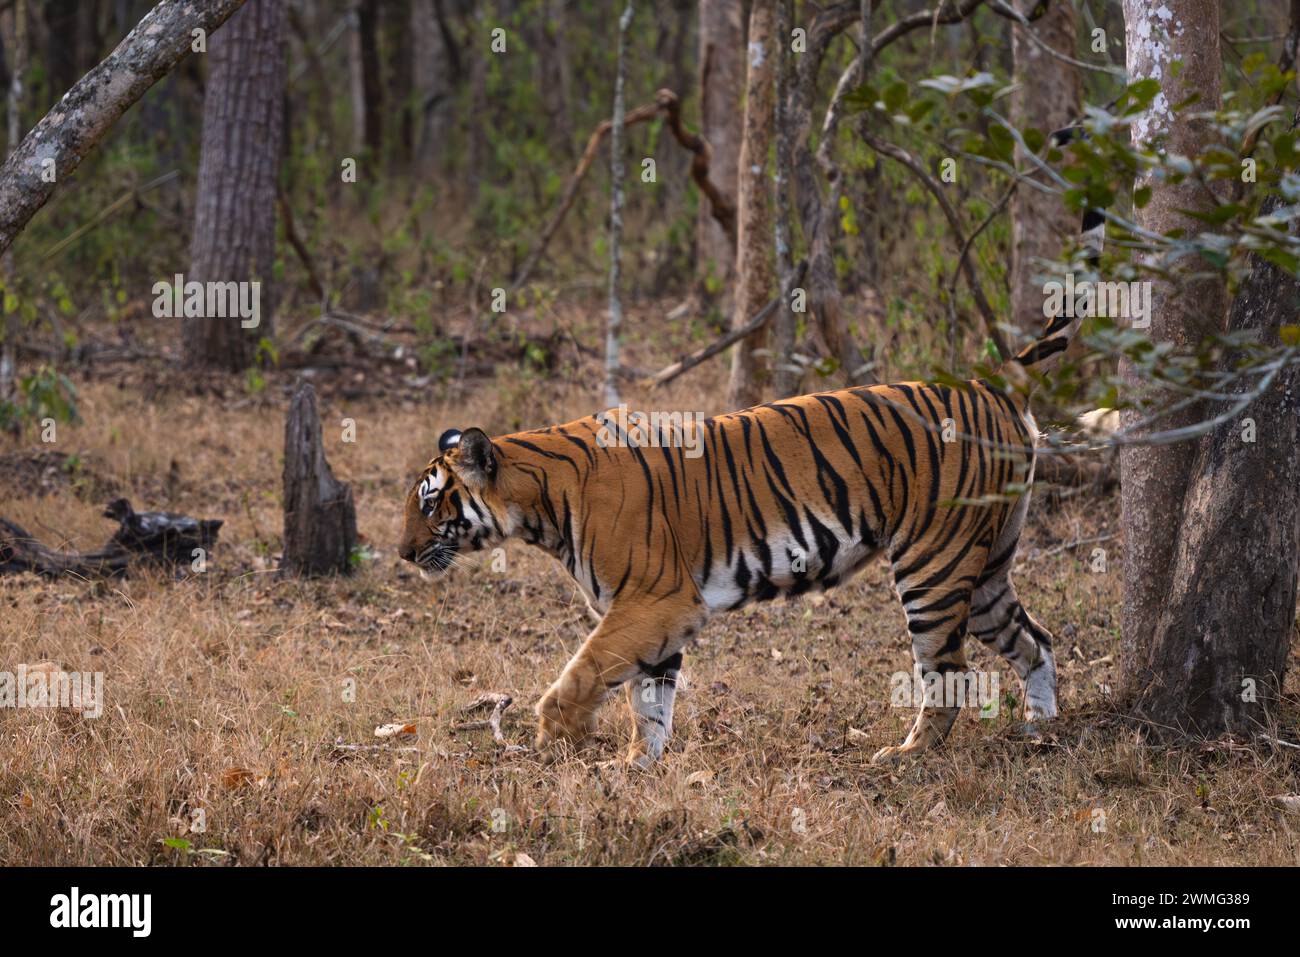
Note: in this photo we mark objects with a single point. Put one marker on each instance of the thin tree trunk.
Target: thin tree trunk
(431, 73)
(755, 279)
(364, 88)
(80, 119)
(1046, 95)
(785, 374)
(612, 329)
(234, 210)
(1155, 478)
(722, 74)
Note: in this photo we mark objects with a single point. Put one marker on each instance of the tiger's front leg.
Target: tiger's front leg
(638, 641)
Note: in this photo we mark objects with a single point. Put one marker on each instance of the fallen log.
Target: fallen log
(161, 538)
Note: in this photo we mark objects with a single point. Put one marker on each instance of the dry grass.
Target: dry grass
(225, 691)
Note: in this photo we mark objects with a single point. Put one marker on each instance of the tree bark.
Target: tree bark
(433, 81)
(234, 210)
(80, 119)
(615, 322)
(754, 272)
(1046, 96)
(1215, 663)
(1155, 478)
(722, 73)
(785, 374)
(320, 521)
(363, 78)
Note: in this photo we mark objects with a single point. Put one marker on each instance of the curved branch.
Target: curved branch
(901, 155)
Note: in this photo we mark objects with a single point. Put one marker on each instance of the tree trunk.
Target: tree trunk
(1046, 96)
(755, 279)
(234, 209)
(722, 73)
(320, 521)
(615, 322)
(1216, 661)
(785, 374)
(432, 78)
(1155, 479)
(818, 214)
(80, 119)
(363, 78)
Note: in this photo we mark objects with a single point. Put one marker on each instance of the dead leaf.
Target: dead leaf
(699, 777)
(523, 860)
(237, 777)
(394, 730)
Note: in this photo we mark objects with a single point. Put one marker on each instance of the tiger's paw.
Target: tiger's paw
(639, 757)
(558, 733)
(890, 755)
(909, 748)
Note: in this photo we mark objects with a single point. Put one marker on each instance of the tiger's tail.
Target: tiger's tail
(1063, 327)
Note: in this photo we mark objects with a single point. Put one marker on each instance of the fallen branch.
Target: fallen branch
(499, 703)
(668, 373)
(160, 537)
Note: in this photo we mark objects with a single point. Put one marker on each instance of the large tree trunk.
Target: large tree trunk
(80, 119)
(1155, 478)
(1046, 96)
(754, 271)
(1217, 658)
(722, 73)
(320, 521)
(234, 211)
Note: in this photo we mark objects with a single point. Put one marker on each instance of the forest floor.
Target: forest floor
(231, 696)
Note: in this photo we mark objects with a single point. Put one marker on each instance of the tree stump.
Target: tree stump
(320, 521)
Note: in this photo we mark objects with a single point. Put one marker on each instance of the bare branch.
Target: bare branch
(76, 124)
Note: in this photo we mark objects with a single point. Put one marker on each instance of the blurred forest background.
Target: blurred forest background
(463, 155)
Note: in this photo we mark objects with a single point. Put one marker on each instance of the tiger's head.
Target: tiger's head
(455, 504)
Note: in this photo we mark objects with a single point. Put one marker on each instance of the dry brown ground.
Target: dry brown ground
(225, 690)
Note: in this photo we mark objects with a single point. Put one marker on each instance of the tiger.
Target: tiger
(780, 499)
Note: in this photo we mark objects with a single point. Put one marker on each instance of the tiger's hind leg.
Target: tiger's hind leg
(937, 622)
(1001, 622)
(650, 698)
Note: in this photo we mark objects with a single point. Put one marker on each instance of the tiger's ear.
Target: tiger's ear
(449, 440)
(476, 456)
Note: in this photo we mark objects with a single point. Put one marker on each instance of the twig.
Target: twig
(108, 211)
(972, 279)
(299, 247)
(499, 703)
(666, 103)
(1056, 550)
(670, 372)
